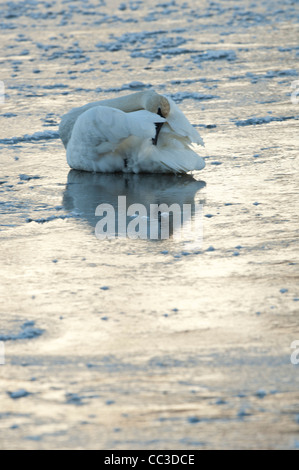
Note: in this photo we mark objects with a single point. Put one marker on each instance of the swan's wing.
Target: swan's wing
(69, 119)
(101, 129)
(180, 124)
(142, 123)
(104, 124)
(120, 125)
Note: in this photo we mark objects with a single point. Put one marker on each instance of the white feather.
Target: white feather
(105, 139)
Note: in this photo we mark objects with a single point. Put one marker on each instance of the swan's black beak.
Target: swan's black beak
(158, 127)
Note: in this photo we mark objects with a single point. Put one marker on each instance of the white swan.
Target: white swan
(140, 133)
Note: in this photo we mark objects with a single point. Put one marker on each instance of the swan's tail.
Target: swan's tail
(172, 155)
(176, 154)
(182, 162)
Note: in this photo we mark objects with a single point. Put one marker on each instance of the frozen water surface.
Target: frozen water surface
(144, 344)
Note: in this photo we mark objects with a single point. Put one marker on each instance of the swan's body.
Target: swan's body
(117, 136)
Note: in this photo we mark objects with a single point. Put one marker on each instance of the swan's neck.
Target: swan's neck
(128, 103)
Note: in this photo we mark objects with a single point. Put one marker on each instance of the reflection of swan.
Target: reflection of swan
(86, 191)
(139, 133)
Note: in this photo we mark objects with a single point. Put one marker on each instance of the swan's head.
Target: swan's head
(157, 104)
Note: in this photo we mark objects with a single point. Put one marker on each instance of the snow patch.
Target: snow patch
(37, 136)
(28, 331)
